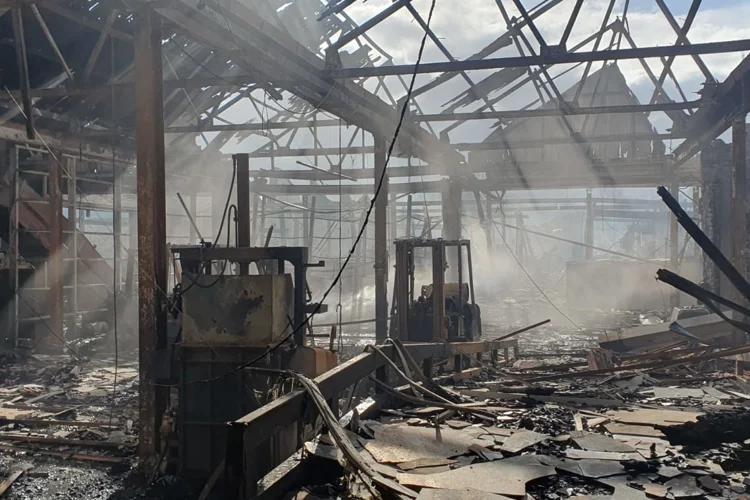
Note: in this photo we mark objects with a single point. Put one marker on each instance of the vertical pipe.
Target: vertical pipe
(403, 256)
(242, 164)
(311, 227)
(490, 231)
(73, 242)
(588, 234)
(739, 208)
(152, 262)
(408, 217)
(394, 219)
(381, 243)
(55, 274)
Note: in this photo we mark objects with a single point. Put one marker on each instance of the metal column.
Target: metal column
(452, 223)
(739, 207)
(588, 233)
(242, 162)
(72, 167)
(56, 249)
(117, 230)
(381, 244)
(13, 244)
(152, 257)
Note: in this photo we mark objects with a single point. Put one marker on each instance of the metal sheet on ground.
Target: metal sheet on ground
(432, 494)
(633, 430)
(502, 477)
(591, 441)
(677, 393)
(655, 417)
(401, 443)
(520, 440)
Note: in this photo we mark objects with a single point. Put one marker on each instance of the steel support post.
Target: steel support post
(381, 243)
(438, 296)
(13, 243)
(117, 231)
(242, 163)
(739, 206)
(152, 252)
(72, 168)
(408, 216)
(55, 261)
(394, 218)
(403, 260)
(674, 245)
(452, 223)
(588, 233)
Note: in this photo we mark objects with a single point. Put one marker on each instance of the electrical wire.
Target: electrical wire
(218, 235)
(532, 279)
(362, 230)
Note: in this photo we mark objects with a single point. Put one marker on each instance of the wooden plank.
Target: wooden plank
(8, 482)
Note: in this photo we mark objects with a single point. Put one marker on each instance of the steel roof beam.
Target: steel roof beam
(742, 45)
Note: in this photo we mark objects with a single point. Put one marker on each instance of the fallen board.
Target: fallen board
(502, 477)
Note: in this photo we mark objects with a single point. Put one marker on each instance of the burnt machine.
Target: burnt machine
(240, 311)
(442, 310)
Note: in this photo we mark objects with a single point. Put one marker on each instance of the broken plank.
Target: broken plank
(62, 442)
(633, 430)
(8, 482)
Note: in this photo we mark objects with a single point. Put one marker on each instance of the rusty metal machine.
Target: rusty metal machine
(442, 311)
(239, 310)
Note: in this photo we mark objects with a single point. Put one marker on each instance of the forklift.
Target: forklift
(442, 311)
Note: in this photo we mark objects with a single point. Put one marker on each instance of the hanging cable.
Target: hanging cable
(362, 230)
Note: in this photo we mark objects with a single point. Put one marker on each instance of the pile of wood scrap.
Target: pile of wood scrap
(677, 433)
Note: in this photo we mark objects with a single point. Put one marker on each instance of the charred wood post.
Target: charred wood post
(152, 251)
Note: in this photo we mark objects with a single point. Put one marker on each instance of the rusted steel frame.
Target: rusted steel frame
(370, 23)
(251, 431)
(742, 45)
(503, 41)
(97, 50)
(530, 24)
(56, 249)
(152, 258)
(596, 47)
(739, 203)
(51, 40)
(703, 241)
(682, 37)
(732, 351)
(23, 69)
(95, 25)
(571, 22)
